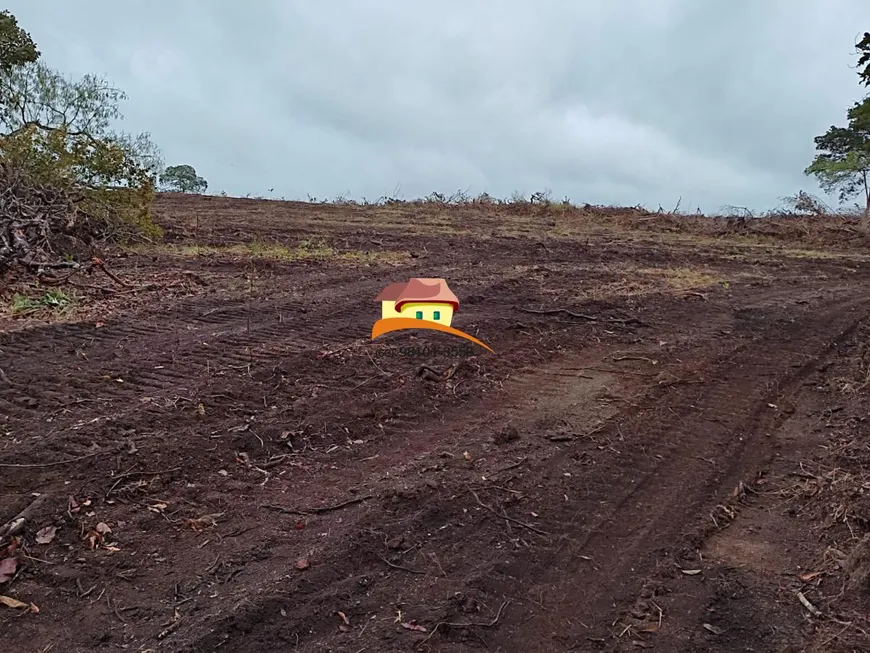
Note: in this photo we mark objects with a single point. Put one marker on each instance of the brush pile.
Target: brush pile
(34, 218)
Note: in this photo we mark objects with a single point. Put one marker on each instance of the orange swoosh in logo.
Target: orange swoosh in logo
(388, 324)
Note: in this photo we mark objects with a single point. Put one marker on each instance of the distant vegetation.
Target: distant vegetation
(182, 179)
(863, 49)
(842, 165)
(802, 204)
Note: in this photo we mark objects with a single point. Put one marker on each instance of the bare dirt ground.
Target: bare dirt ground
(215, 456)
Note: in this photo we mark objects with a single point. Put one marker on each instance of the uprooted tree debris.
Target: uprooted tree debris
(33, 217)
(41, 228)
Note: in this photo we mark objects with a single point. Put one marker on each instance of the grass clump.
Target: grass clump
(681, 278)
(53, 300)
(305, 250)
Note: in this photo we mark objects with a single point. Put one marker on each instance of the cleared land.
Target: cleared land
(676, 461)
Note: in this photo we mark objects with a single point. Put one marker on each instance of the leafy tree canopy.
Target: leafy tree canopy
(183, 178)
(863, 48)
(16, 46)
(61, 132)
(842, 164)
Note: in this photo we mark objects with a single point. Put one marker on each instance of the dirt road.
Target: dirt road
(239, 467)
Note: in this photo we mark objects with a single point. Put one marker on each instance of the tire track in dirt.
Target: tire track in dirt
(553, 386)
(80, 370)
(177, 355)
(627, 486)
(557, 389)
(238, 333)
(651, 499)
(394, 463)
(239, 323)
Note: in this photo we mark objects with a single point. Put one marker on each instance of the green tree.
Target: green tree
(842, 164)
(863, 48)
(60, 132)
(183, 178)
(16, 46)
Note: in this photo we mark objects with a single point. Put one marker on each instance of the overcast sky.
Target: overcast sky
(604, 101)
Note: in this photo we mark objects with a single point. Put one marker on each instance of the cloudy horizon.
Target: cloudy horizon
(637, 102)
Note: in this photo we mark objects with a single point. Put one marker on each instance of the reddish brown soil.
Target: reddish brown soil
(264, 468)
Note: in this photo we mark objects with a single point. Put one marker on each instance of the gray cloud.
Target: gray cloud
(640, 101)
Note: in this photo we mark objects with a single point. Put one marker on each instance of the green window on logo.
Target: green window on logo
(436, 315)
(419, 315)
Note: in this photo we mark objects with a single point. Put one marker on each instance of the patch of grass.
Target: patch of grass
(605, 283)
(369, 258)
(633, 281)
(753, 245)
(53, 300)
(623, 288)
(820, 254)
(250, 250)
(681, 278)
(317, 249)
(308, 249)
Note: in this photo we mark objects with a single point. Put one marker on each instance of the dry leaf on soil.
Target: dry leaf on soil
(649, 628)
(413, 625)
(713, 629)
(94, 539)
(46, 535)
(16, 604)
(7, 569)
(9, 551)
(206, 521)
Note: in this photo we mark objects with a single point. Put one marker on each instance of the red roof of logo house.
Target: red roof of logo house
(419, 290)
